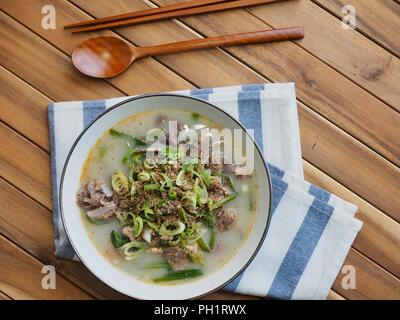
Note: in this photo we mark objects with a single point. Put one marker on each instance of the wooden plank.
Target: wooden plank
(379, 238)
(349, 52)
(21, 277)
(29, 225)
(350, 163)
(379, 20)
(4, 297)
(25, 164)
(22, 104)
(334, 296)
(33, 60)
(372, 282)
(321, 87)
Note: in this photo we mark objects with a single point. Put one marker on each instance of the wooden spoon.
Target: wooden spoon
(104, 57)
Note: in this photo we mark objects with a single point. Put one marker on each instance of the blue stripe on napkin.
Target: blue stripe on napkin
(91, 110)
(249, 104)
(253, 87)
(319, 193)
(300, 251)
(201, 93)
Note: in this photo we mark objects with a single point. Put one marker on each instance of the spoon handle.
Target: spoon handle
(228, 40)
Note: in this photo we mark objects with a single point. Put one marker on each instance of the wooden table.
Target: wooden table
(348, 91)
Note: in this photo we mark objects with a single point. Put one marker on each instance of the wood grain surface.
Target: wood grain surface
(348, 92)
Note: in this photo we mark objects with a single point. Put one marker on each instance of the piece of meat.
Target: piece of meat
(93, 195)
(175, 256)
(128, 231)
(105, 212)
(225, 219)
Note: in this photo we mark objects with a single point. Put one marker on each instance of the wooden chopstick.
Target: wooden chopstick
(177, 14)
(147, 12)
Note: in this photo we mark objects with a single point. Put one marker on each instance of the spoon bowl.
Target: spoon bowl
(102, 57)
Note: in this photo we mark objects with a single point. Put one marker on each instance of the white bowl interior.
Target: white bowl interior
(87, 251)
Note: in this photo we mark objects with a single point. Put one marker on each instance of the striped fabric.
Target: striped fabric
(311, 230)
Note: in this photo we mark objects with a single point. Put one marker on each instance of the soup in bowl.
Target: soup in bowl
(165, 191)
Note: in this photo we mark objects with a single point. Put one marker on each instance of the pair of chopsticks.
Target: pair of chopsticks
(179, 10)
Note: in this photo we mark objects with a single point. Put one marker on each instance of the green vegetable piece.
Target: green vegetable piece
(98, 221)
(158, 265)
(132, 250)
(195, 115)
(119, 182)
(213, 237)
(180, 275)
(189, 200)
(118, 239)
(201, 193)
(149, 164)
(166, 184)
(152, 225)
(208, 217)
(137, 226)
(144, 176)
(222, 202)
(152, 186)
(154, 134)
(206, 176)
(203, 245)
(196, 258)
(180, 181)
(148, 212)
(245, 188)
(132, 139)
(172, 194)
(171, 228)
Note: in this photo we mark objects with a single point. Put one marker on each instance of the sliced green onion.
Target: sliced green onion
(180, 181)
(201, 193)
(132, 250)
(169, 228)
(151, 186)
(180, 275)
(118, 239)
(195, 115)
(119, 182)
(152, 225)
(144, 176)
(222, 202)
(137, 226)
(149, 164)
(213, 237)
(203, 245)
(172, 194)
(196, 258)
(167, 183)
(148, 212)
(189, 200)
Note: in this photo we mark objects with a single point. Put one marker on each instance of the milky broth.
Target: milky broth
(105, 157)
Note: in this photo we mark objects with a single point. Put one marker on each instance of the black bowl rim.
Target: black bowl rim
(179, 96)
